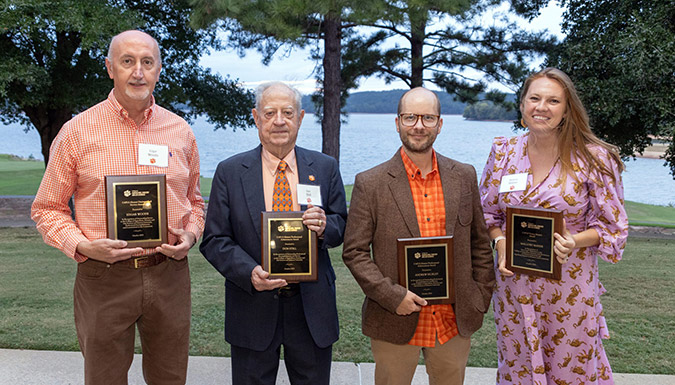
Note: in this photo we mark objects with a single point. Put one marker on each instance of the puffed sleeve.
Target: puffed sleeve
(607, 214)
(489, 183)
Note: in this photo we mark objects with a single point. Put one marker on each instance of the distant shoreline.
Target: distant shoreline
(654, 151)
(490, 120)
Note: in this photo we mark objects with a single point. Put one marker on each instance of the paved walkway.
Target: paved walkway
(38, 367)
(15, 210)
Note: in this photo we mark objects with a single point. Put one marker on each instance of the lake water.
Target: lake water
(369, 139)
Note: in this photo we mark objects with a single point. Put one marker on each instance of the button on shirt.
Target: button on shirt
(101, 141)
(435, 321)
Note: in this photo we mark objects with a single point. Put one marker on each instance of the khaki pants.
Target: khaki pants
(111, 300)
(445, 364)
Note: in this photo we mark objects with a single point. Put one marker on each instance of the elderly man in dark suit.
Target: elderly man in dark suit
(418, 193)
(262, 314)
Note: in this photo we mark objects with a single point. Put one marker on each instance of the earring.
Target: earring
(522, 123)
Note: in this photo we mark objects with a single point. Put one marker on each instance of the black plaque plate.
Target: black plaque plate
(289, 249)
(530, 240)
(425, 267)
(136, 209)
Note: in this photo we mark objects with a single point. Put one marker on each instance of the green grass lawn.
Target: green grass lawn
(19, 176)
(36, 305)
(205, 186)
(641, 214)
(22, 177)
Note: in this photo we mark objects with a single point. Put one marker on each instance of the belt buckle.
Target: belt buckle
(139, 259)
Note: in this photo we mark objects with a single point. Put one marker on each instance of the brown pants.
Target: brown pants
(110, 300)
(445, 364)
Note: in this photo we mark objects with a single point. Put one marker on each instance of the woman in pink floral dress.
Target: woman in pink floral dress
(550, 332)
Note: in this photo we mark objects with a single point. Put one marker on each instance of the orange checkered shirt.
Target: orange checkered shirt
(103, 140)
(435, 320)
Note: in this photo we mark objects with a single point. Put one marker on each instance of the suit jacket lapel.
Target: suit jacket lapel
(451, 191)
(400, 191)
(251, 180)
(305, 167)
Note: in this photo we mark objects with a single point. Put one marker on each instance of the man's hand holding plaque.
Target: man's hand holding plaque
(425, 268)
(136, 209)
(289, 246)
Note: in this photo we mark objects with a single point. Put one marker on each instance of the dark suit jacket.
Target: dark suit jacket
(232, 245)
(382, 210)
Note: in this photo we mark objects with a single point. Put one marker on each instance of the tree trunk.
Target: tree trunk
(48, 123)
(418, 23)
(330, 122)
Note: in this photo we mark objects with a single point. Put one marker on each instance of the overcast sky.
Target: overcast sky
(297, 67)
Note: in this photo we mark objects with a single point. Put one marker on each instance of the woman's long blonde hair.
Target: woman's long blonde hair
(574, 131)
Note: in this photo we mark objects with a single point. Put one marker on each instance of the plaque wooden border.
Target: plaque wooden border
(266, 218)
(111, 181)
(446, 241)
(556, 217)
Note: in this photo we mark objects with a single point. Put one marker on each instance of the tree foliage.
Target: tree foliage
(621, 56)
(356, 37)
(53, 62)
(449, 43)
(268, 25)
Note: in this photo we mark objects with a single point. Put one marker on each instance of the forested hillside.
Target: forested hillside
(386, 102)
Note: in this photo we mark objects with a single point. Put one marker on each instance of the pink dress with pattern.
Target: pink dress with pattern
(551, 332)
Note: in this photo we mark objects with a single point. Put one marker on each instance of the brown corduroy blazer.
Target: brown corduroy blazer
(382, 210)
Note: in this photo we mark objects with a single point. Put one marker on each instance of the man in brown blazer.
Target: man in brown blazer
(418, 193)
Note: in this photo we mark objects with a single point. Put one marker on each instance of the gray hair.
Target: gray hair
(110, 46)
(297, 96)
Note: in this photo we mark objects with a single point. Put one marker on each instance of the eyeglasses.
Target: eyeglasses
(409, 120)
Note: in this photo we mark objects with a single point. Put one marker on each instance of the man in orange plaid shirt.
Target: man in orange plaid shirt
(119, 288)
(418, 193)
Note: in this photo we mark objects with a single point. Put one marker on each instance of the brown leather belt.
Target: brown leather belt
(143, 261)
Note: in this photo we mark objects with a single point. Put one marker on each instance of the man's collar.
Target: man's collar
(123, 113)
(411, 168)
(271, 162)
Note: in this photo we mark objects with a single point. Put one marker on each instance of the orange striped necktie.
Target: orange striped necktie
(281, 197)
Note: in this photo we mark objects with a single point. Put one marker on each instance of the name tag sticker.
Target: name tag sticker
(513, 182)
(153, 155)
(309, 194)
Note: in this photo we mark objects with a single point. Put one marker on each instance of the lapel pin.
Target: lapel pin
(311, 178)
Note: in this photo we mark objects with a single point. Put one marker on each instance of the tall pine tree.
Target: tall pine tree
(454, 45)
(267, 25)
